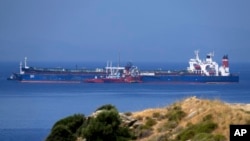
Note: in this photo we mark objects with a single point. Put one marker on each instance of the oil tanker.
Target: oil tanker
(53, 75)
(198, 71)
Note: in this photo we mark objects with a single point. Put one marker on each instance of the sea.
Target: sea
(29, 110)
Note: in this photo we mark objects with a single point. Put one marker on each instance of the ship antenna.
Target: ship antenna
(21, 65)
(119, 59)
(25, 62)
(107, 67)
(196, 52)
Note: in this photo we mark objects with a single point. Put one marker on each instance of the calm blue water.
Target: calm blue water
(28, 111)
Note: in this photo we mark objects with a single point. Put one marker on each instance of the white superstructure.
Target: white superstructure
(208, 67)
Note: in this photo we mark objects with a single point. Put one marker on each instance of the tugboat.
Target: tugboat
(127, 74)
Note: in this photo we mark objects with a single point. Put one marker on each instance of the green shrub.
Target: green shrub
(124, 134)
(73, 122)
(187, 134)
(208, 137)
(107, 107)
(175, 114)
(189, 124)
(150, 122)
(156, 115)
(171, 124)
(219, 137)
(208, 117)
(128, 113)
(203, 137)
(143, 132)
(192, 130)
(103, 126)
(66, 128)
(61, 133)
(162, 137)
(106, 126)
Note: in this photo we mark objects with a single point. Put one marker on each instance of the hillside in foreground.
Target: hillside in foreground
(195, 112)
(191, 119)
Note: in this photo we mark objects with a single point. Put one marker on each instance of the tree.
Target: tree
(61, 133)
(106, 126)
(66, 129)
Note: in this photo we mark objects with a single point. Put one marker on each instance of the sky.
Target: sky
(135, 30)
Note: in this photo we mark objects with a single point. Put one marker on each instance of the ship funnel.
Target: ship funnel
(225, 63)
(225, 66)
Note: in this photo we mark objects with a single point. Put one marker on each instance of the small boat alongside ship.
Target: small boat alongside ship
(198, 71)
(127, 74)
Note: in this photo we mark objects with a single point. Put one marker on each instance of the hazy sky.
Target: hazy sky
(140, 30)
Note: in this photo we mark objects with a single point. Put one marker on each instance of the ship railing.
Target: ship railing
(147, 74)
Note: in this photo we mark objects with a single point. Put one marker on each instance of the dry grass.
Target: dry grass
(196, 109)
(149, 112)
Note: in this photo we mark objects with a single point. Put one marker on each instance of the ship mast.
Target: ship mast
(25, 63)
(118, 59)
(20, 67)
(196, 52)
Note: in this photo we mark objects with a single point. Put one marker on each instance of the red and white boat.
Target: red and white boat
(127, 74)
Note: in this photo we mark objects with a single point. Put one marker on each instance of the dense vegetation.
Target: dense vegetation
(201, 131)
(67, 129)
(105, 126)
